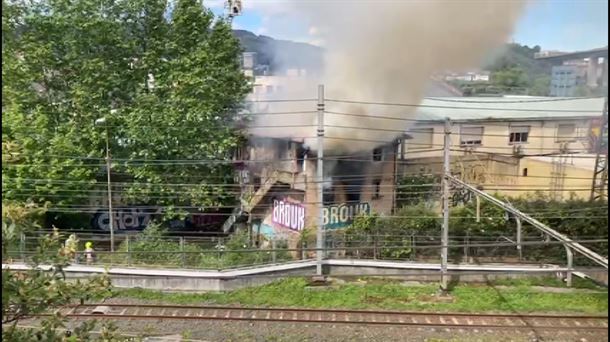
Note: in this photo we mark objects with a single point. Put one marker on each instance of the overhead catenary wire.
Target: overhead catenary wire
(533, 110)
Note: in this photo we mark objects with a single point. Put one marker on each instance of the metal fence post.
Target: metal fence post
(466, 245)
(182, 251)
(374, 247)
(273, 255)
(570, 257)
(128, 251)
(519, 238)
(413, 247)
(22, 246)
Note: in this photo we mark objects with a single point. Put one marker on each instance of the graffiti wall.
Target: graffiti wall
(288, 214)
(288, 217)
(341, 216)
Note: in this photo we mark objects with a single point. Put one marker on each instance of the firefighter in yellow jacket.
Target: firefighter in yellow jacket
(89, 252)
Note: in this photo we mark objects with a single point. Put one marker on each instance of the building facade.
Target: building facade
(280, 187)
(511, 145)
(567, 80)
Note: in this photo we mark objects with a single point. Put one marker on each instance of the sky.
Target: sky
(565, 25)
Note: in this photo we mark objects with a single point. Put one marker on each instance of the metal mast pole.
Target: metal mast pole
(445, 229)
(600, 173)
(320, 178)
(110, 213)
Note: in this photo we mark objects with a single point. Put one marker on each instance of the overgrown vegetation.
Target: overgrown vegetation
(514, 71)
(44, 290)
(153, 247)
(367, 294)
(391, 237)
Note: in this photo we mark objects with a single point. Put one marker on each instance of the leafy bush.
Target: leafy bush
(391, 237)
(37, 290)
(152, 247)
(412, 190)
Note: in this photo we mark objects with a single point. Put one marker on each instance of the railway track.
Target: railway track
(362, 317)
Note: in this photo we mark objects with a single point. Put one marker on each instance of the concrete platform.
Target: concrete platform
(211, 280)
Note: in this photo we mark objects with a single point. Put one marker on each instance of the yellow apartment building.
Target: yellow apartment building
(512, 145)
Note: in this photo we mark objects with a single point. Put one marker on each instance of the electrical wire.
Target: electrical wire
(533, 110)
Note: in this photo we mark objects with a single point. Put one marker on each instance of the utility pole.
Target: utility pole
(320, 178)
(445, 229)
(600, 172)
(110, 213)
(104, 122)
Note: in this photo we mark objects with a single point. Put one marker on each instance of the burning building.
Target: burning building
(280, 187)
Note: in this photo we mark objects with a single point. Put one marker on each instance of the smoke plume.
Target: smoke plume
(383, 51)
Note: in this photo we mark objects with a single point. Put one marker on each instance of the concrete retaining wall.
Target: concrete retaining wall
(205, 281)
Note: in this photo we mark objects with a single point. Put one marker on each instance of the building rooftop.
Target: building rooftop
(508, 108)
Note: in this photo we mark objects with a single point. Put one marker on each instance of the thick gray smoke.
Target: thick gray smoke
(384, 51)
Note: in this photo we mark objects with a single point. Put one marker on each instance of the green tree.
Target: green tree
(510, 78)
(169, 87)
(540, 86)
(412, 190)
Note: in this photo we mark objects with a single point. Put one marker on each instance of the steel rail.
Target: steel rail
(369, 317)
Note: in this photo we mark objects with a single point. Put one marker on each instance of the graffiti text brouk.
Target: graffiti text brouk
(288, 214)
(340, 216)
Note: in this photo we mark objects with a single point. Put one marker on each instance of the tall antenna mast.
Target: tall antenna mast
(233, 8)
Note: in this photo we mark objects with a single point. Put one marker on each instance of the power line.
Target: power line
(465, 108)
(466, 100)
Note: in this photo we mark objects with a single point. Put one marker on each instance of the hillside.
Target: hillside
(514, 70)
(281, 54)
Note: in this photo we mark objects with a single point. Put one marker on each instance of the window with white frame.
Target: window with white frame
(421, 138)
(519, 134)
(566, 132)
(471, 136)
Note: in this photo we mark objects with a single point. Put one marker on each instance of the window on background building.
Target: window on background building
(472, 136)
(269, 89)
(525, 172)
(421, 138)
(566, 132)
(519, 134)
(378, 154)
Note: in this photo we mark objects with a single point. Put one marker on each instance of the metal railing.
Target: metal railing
(197, 253)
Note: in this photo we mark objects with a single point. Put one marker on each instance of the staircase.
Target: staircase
(261, 192)
(248, 204)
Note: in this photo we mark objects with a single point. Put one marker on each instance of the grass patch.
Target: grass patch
(577, 283)
(294, 292)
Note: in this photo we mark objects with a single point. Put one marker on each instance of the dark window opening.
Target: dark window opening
(301, 153)
(328, 195)
(377, 154)
(525, 172)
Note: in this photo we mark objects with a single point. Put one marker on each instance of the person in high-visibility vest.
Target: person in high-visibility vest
(71, 246)
(89, 252)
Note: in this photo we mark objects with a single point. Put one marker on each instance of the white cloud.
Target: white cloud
(313, 31)
(214, 4)
(261, 30)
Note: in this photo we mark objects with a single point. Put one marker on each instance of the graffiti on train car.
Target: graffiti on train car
(130, 219)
